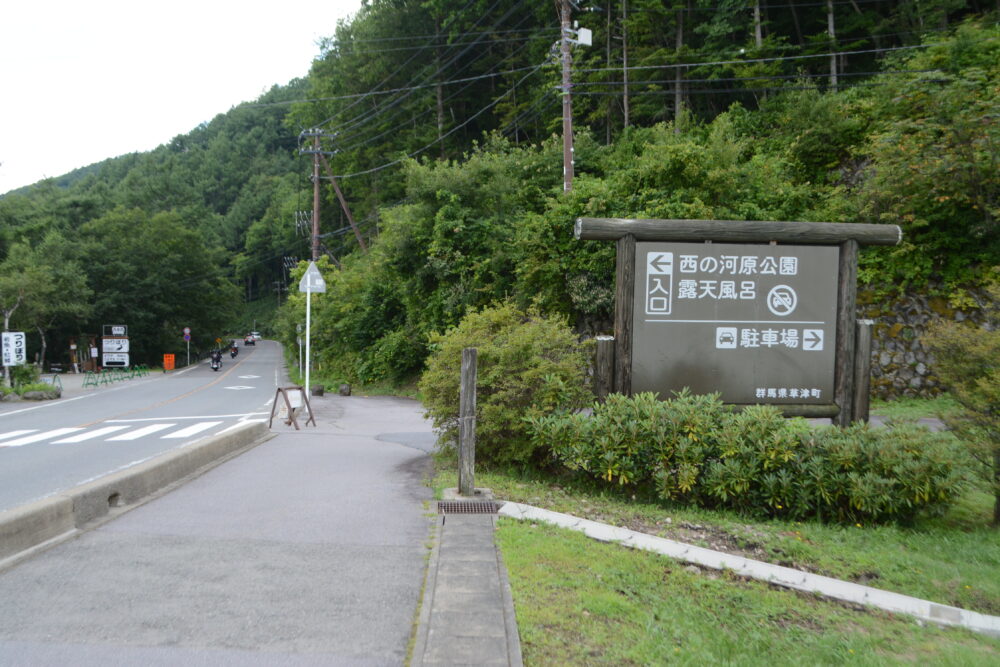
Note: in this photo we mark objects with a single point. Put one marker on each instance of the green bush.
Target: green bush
(23, 389)
(528, 365)
(694, 449)
(24, 374)
(967, 359)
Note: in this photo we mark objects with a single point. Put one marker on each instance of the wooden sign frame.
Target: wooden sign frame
(848, 368)
(292, 420)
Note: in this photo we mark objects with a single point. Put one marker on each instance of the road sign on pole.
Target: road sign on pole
(312, 281)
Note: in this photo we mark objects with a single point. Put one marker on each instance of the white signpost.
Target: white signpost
(312, 281)
(14, 348)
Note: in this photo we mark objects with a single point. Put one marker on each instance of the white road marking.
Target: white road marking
(192, 430)
(89, 435)
(241, 415)
(45, 435)
(139, 433)
(14, 434)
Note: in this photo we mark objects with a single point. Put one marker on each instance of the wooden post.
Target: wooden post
(847, 290)
(624, 293)
(467, 424)
(862, 370)
(604, 367)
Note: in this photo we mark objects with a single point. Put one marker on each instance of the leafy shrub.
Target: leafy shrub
(967, 359)
(396, 356)
(528, 365)
(693, 448)
(24, 374)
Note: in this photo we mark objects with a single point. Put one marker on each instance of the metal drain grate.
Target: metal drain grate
(468, 507)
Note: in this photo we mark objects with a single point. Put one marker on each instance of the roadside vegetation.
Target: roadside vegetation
(896, 508)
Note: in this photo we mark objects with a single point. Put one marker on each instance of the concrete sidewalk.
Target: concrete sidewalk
(309, 549)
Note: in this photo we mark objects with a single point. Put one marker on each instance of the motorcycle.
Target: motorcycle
(233, 352)
(216, 362)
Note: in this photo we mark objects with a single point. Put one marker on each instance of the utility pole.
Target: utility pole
(567, 100)
(566, 37)
(319, 157)
(315, 218)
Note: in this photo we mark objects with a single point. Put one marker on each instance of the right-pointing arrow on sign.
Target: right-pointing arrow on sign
(812, 340)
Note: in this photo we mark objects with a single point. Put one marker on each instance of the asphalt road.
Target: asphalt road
(54, 445)
(309, 549)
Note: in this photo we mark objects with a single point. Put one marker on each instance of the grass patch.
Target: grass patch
(952, 560)
(911, 409)
(581, 602)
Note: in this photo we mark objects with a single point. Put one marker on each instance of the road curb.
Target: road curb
(64, 514)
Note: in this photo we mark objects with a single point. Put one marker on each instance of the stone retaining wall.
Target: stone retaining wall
(902, 366)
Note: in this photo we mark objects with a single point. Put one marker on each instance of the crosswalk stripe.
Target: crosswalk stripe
(89, 435)
(192, 430)
(138, 433)
(14, 434)
(45, 435)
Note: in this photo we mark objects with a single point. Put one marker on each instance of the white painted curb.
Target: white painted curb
(772, 574)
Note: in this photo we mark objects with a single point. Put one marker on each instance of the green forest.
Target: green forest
(441, 121)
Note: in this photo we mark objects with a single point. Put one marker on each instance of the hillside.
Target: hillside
(442, 121)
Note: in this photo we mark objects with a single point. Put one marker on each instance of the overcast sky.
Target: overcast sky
(85, 81)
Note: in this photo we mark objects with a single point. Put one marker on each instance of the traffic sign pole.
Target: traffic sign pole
(312, 281)
(187, 340)
(308, 331)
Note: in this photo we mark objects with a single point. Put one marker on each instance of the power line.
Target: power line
(360, 120)
(444, 136)
(772, 77)
(447, 44)
(746, 61)
(440, 69)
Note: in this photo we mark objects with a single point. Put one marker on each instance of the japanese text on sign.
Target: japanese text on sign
(754, 322)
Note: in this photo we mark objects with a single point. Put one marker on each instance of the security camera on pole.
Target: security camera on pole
(312, 281)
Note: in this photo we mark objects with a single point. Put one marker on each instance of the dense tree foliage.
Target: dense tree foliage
(440, 120)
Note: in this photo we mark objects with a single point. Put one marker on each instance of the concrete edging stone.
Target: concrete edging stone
(60, 516)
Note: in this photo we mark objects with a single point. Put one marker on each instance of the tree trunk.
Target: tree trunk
(440, 97)
(833, 44)
(758, 35)
(41, 358)
(678, 94)
(625, 60)
(607, 65)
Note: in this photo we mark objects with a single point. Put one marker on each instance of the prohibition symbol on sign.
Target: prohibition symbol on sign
(781, 300)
